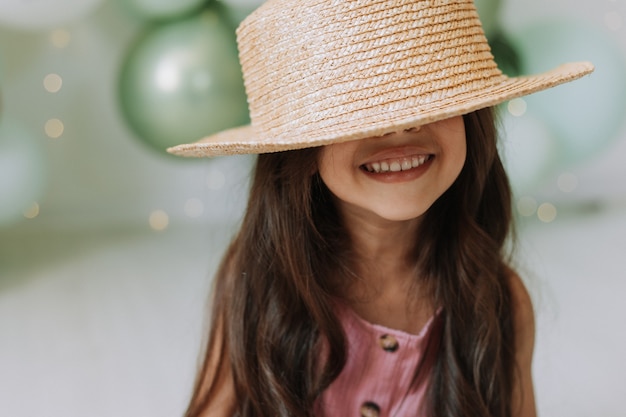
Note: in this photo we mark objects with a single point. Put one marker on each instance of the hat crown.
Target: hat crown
(311, 64)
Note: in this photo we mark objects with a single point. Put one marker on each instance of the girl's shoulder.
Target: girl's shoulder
(523, 313)
(523, 400)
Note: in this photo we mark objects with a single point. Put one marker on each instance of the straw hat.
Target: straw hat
(318, 72)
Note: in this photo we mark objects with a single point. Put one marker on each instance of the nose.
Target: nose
(400, 132)
(412, 129)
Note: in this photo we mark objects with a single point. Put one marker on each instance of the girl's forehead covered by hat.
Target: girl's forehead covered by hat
(325, 71)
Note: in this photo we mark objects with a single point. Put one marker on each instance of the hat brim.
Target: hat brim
(248, 140)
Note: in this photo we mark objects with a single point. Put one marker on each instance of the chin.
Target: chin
(401, 216)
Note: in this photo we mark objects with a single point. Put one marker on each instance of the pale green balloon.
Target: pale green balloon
(22, 171)
(586, 114)
(182, 81)
(162, 9)
(240, 9)
(37, 15)
(528, 150)
(489, 12)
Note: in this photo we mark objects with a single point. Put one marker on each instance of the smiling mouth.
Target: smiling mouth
(396, 164)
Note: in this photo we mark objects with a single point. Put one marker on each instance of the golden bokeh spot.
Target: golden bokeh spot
(60, 38)
(546, 212)
(54, 128)
(517, 107)
(32, 211)
(159, 220)
(52, 83)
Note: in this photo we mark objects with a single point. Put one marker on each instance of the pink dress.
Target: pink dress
(378, 379)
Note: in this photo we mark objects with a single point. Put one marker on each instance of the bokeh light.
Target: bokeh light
(546, 212)
(159, 220)
(54, 128)
(517, 107)
(53, 83)
(60, 38)
(32, 211)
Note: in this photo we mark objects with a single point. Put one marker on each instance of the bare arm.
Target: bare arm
(524, 321)
(215, 393)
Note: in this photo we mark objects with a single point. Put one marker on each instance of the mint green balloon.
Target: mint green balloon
(587, 114)
(489, 12)
(22, 172)
(182, 81)
(162, 9)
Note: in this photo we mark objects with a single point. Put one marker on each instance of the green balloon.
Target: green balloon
(182, 80)
(586, 115)
(162, 9)
(489, 12)
(22, 172)
(505, 54)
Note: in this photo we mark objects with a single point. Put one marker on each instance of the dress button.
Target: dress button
(388, 343)
(370, 409)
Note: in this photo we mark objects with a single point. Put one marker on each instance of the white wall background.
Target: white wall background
(101, 311)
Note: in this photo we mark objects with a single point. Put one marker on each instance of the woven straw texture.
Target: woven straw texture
(326, 71)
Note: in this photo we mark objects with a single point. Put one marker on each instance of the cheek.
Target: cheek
(325, 165)
(334, 163)
(459, 155)
(456, 145)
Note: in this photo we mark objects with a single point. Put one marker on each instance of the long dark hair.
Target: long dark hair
(272, 308)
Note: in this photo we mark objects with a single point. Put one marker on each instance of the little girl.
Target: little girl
(370, 276)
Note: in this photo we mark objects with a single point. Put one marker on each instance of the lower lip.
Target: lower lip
(399, 176)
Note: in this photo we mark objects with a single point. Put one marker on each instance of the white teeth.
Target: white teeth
(397, 165)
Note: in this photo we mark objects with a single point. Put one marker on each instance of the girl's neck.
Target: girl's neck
(384, 289)
(381, 249)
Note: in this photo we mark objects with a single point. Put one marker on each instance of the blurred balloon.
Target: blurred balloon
(182, 80)
(505, 53)
(244, 4)
(489, 12)
(528, 151)
(586, 114)
(239, 9)
(162, 9)
(43, 14)
(21, 172)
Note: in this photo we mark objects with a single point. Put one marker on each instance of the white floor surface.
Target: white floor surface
(108, 324)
